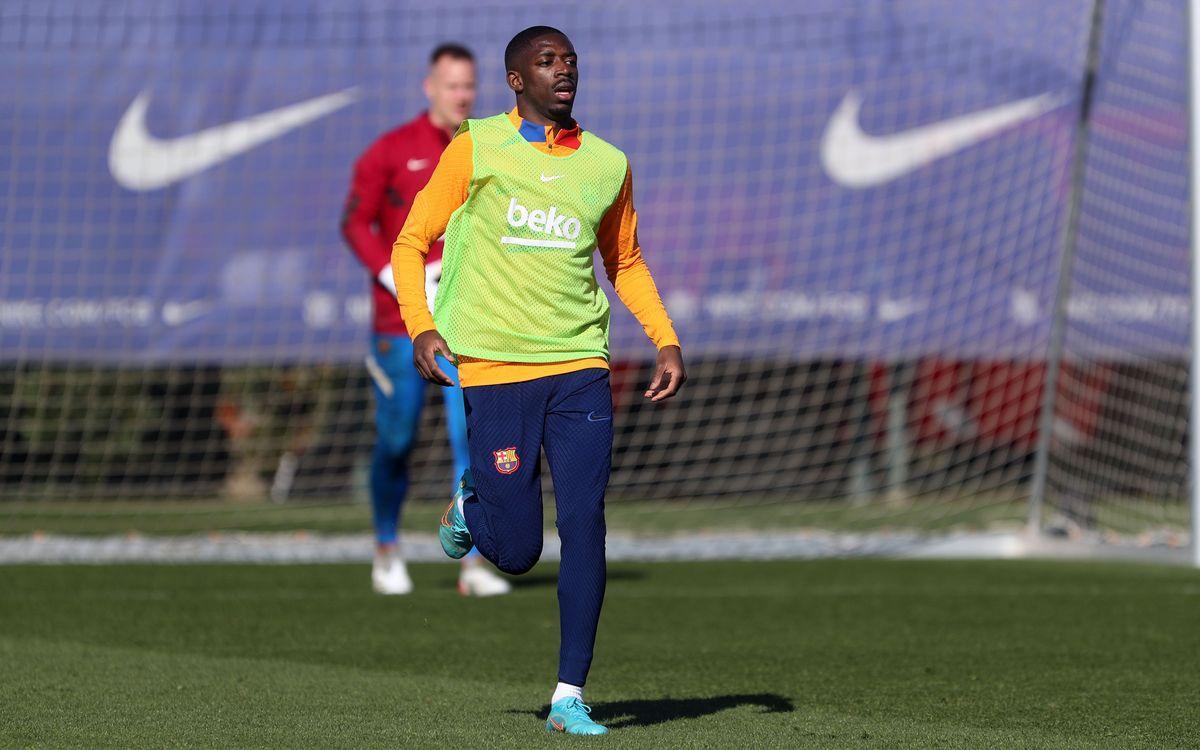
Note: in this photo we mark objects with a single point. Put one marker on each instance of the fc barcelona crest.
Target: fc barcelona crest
(507, 460)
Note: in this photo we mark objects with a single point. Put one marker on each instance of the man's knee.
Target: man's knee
(520, 558)
(392, 442)
(582, 522)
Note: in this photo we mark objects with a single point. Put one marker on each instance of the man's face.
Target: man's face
(450, 88)
(549, 74)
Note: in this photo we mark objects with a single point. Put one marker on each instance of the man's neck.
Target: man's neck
(449, 128)
(529, 114)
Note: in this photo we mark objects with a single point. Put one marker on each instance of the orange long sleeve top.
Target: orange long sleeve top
(616, 239)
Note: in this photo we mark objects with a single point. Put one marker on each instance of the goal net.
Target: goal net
(859, 215)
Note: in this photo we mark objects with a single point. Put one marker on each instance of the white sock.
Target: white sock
(565, 690)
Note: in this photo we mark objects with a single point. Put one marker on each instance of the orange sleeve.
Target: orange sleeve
(627, 270)
(442, 195)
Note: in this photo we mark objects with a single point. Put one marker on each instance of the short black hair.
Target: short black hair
(522, 40)
(453, 50)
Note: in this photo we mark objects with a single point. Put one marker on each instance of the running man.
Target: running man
(524, 199)
(386, 179)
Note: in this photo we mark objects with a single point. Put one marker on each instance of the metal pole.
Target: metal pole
(896, 439)
(1193, 10)
(1058, 323)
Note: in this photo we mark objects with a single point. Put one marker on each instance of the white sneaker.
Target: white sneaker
(478, 580)
(389, 575)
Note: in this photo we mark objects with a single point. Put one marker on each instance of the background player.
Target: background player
(386, 179)
(521, 309)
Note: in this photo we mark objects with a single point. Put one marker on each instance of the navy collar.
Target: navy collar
(533, 132)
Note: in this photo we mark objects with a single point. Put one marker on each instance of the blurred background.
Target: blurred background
(928, 261)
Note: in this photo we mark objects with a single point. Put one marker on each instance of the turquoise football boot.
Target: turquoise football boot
(453, 531)
(571, 716)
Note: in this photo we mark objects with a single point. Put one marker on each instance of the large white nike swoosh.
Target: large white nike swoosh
(139, 161)
(855, 159)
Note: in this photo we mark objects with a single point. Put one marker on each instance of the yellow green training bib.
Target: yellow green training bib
(518, 282)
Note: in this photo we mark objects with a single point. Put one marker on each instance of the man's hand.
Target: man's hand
(669, 376)
(385, 277)
(426, 347)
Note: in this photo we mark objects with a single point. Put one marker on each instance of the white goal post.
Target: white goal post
(1194, 237)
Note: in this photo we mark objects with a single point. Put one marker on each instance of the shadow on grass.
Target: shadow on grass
(534, 580)
(646, 713)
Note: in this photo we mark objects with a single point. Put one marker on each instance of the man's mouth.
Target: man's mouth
(564, 92)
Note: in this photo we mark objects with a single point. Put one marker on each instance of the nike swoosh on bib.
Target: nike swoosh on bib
(140, 161)
(855, 159)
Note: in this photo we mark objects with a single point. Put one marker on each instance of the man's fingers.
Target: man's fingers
(426, 348)
(655, 382)
(444, 349)
(419, 363)
(666, 387)
(436, 374)
(427, 366)
(440, 377)
(669, 376)
(673, 381)
(666, 393)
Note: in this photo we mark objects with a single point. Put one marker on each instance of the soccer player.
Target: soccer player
(524, 199)
(386, 179)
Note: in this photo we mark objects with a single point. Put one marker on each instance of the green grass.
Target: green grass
(835, 653)
(175, 517)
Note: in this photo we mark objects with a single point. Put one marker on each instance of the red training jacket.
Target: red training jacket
(387, 177)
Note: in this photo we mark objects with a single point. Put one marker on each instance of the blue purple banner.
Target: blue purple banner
(831, 179)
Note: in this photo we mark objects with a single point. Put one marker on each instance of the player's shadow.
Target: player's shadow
(645, 713)
(534, 580)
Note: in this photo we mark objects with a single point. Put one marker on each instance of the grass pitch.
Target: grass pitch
(166, 518)
(833, 653)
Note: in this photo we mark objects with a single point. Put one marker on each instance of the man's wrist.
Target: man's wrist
(419, 330)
